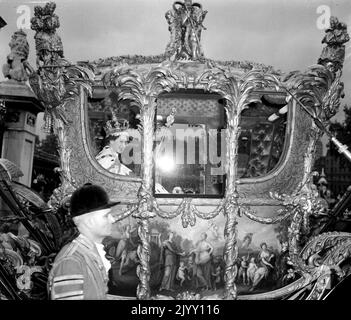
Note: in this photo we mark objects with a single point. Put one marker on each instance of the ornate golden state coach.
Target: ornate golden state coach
(220, 163)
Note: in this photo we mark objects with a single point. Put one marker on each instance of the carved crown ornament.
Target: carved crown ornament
(286, 193)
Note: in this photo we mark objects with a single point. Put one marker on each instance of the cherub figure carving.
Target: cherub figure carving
(185, 24)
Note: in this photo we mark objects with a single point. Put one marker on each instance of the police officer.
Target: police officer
(80, 270)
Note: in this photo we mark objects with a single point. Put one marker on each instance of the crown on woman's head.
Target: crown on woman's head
(115, 126)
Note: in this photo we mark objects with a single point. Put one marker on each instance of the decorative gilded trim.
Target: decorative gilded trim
(188, 212)
(252, 215)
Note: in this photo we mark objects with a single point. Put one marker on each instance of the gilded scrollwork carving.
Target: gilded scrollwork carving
(321, 99)
(316, 90)
(185, 209)
(322, 283)
(157, 59)
(60, 196)
(185, 22)
(188, 215)
(188, 211)
(230, 248)
(144, 210)
(143, 214)
(167, 214)
(143, 268)
(300, 206)
(126, 213)
(324, 241)
(279, 216)
(323, 255)
(320, 257)
(337, 255)
(236, 90)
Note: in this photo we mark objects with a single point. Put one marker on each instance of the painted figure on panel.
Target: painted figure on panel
(126, 248)
(186, 261)
(263, 262)
(251, 270)
(203, 260)
(121, 251)
(192, 258)
(216, 274)
(182, 273)
(265, 266)
(169, 258)
(243, 270)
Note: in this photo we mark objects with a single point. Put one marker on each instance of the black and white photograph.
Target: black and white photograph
(167, 150)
